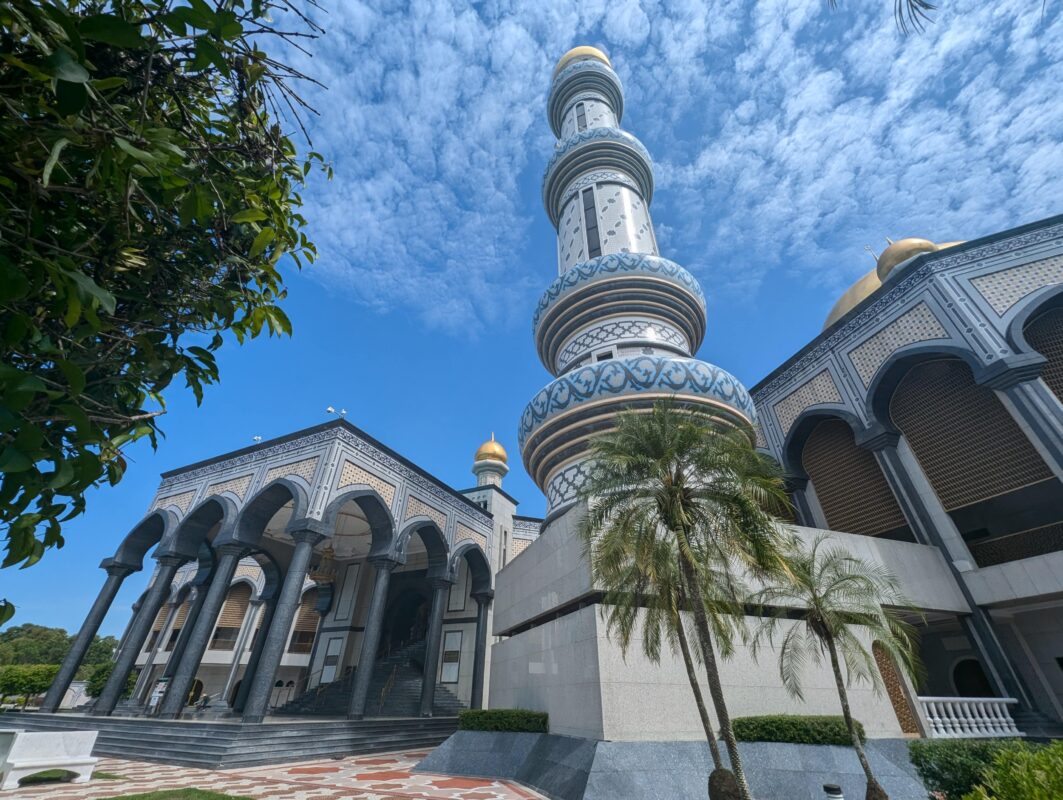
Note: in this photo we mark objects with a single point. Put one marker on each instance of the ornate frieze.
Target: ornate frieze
(642, 330)
(818, 390)
(1004, 288)
(918, 324)
(526, 528)
(181, 501)
(352, 474)
(303, 469)
(237, 486)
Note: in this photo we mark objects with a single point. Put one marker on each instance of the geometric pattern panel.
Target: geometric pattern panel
(624, 221)
(894, 684)
(849, 484)
(182, 501)
(967, 443)
(816, 391)
(464, 532)
(519, 546)
(1016, 546)
(916, 325)
(304, 469)
(418, 508)
(235, 485)
(649, 331)
(1045, 335)
(570, 238)
(566, 484)
(353, 474)
(1005, 288)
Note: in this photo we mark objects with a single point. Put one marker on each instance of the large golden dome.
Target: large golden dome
(852, 297)
(581, 52)
(901, 250)
(491, 451)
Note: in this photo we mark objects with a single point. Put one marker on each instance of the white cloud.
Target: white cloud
(786, 136)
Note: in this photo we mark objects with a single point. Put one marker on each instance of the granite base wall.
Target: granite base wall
(570, 768)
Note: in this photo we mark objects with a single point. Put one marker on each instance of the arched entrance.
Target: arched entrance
(970, 679)
(406, 617)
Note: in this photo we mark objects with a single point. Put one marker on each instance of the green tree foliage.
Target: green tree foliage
(1022, 772)
(26, 680)
(147, 193)
(680, 511)
(101, 674)
(37, 644)
(954, 767)
(841, 607)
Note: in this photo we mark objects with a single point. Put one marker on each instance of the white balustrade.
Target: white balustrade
(969, 717)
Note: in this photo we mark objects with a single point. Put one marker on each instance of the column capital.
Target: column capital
(383, 563)
(1012, 370)
(877, 438)
(232, 548)
(795, 482)
(485, 597)
(117, 569)
(170, 559)
(440, 583)
(310, 535)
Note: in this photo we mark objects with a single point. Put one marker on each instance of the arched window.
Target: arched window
(851, 489)
(156, 627)
(231, 618)
(969, 679)
(305, 624)
(1045, 334)
(985, 471)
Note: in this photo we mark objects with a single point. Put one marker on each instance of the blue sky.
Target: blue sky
(785, 137)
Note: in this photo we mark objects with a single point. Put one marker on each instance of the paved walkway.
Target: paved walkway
(376, 777)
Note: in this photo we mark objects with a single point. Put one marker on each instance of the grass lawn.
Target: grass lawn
(180, 794)
(59, 775)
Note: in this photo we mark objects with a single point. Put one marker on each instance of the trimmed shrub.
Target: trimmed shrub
(795, 729)
(513, 720)
(101, 674)
(954, 767)
(1023, 772)
(26, 680)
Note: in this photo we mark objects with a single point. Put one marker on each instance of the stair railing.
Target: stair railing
(388, 686)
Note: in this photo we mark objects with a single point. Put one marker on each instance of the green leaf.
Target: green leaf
(249, 215)
(208, 53)
(7, 611)
(70, 98)
(63, 475)
(53, 157)
(141, 155)
(261, 242)
(63, 67)
(74, 376)
(103, 84)
(12, 460)
(110, 29)
(90, 288)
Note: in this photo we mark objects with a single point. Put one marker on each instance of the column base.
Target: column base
(253, 719)
(355, 716)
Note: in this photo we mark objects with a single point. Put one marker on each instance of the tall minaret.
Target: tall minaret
(619, 326)
(489, 465)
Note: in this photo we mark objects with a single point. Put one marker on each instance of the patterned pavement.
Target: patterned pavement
(374, 777)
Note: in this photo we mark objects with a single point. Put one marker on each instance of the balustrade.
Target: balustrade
(969, 717)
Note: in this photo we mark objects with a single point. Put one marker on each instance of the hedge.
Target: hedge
(514, 720)
(794, 729)
(954, 766)
(1022, 770)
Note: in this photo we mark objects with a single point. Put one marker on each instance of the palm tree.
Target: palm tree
(678, 510)
(833, 592)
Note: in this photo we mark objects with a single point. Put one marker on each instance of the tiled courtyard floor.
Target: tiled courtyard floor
(376, 777)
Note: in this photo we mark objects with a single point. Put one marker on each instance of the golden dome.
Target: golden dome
(582, 52)
(491, 451)
(852, 297)
(900, 251)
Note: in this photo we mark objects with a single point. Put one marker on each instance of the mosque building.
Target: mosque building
(923, 427)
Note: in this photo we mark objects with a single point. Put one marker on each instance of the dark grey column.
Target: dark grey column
(256, 654)
(806, 504)
(932, 525)
(195, 603)
(371, 638)
(138, 632)
(479, 665)
(1040, 415)
(257, 702)
(173, 703)
(143, 687)
(116, 573)
(441, 588)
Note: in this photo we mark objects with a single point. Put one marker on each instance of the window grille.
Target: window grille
(590, 223)
(231, 617)
(1045, 335)
(305, 625)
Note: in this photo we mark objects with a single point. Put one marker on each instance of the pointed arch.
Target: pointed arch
(1032, 306)
(381, 523)
(216, 510)
(477, 563)
(267, 501)
(803, 426)
(145, 535)
(435, 544)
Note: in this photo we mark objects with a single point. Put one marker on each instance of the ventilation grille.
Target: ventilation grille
(967, 443)
(850, 486)
(1014, 546)
(1045, 334)
(306, 621)
(232, 613)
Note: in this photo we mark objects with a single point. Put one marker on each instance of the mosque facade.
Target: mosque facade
(923, 429)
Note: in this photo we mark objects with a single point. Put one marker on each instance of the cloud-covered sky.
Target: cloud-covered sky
(786, 137)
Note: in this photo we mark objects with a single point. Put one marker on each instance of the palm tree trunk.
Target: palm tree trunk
(712, 670)
(699, 700)
(873, 787)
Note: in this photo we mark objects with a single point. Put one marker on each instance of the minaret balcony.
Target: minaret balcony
(577, 78)
(629, 285)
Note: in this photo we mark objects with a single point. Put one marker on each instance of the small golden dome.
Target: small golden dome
(579, 53)
(852, 297)
(491, 451)
(901, 251)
